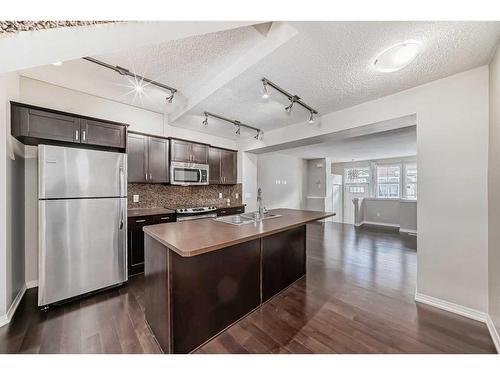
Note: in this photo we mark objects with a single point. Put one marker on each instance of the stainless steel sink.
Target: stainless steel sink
(247, 218)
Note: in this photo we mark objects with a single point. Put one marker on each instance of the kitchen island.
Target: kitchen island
(204, 275)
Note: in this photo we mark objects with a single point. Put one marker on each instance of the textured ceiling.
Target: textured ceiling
(389, 144)
(328, 64)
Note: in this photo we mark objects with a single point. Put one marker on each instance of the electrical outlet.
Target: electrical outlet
(135, 198)
(378, 214)
(220, 195)
(237, 195)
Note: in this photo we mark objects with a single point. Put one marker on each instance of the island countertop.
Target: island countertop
(194, 237)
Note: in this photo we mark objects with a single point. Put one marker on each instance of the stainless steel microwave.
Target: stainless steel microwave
(188, 174)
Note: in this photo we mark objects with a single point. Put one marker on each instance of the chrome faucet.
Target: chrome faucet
(259, 202)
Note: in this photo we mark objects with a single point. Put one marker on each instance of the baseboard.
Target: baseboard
(408, 231)
(379, 224)
(5, 319)
(31, 284)
(480, 316)
(493, 333)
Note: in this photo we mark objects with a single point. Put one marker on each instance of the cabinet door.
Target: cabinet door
(158, 160)
(228, 167)
(102, 133)
(214, 172)
(135, 244)
(137, 158)
(46, 125)
(180, 151)
(199, 153)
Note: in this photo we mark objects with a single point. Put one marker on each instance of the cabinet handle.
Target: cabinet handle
(140, 221)
(146, 176)
(83, 135)
(165, 218)
(150, 176)
(76, 134)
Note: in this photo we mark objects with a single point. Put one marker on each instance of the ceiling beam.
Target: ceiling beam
(29, 49)
(278, 34)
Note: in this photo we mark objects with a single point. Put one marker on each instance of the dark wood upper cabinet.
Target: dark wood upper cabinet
(214, 175)
(34, 125)
(199, 153)
(222, 166)
(147, 159)
(137, 158)
(180, 151)
(102, 133)
(188, 152)
(229, 167)
(158, 166)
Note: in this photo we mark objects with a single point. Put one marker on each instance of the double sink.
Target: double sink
(247, 218)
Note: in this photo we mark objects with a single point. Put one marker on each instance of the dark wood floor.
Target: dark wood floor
(357, 297)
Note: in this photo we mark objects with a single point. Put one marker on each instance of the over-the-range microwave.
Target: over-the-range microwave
(188, 174)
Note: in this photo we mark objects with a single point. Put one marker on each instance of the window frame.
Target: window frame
(377, 183)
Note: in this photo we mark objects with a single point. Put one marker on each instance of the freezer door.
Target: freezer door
(82, 246)
(65, 172)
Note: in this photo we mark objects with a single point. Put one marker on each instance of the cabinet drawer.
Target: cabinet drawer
(140, 221)
(230, 211)
(167, 218)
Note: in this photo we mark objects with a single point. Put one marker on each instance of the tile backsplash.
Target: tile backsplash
(171, 196)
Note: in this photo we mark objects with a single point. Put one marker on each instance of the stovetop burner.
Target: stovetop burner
(190, 210)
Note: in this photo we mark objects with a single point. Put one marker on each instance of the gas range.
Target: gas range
(192, 213)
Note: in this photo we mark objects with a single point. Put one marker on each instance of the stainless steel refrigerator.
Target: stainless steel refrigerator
(82, 218)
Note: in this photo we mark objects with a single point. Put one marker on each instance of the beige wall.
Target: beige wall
(494, 193)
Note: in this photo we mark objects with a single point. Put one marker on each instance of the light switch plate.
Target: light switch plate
(237, 195)
(135, 198)
(220, 195)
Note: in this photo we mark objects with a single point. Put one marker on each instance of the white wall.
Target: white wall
(452, 137)
(494, 192)
(11, 210)
(398, 213)
(281, 179)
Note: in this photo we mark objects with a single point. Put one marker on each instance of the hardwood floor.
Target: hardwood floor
(357, 297)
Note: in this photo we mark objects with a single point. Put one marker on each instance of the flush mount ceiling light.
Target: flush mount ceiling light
(293, 98)
(238, 124)
(397, 57)
(125, 72)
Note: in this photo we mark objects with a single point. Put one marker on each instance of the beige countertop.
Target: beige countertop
(194, 237)
(135, 212)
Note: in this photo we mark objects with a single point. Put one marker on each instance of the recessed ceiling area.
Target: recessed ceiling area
(389, 144)
(328, 64)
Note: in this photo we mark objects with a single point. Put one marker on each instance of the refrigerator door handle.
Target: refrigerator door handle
(122, 174)
(121, 216)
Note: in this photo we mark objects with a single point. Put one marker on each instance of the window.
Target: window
(357, 189)
(411, 181)
(357, 175)
(388, 181)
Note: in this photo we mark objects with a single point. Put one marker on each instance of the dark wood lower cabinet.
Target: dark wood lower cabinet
(191, 299)
(135, 242)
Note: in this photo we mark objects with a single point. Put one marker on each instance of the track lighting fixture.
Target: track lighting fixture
(311, 118)
(265, 94)
(125, 72)
(293, 98)
(238, 124)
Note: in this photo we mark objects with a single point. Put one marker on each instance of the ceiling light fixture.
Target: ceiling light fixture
(311, 118)
(125, 72)
(57, 63)
(293, 98)
(138, 87)
(265, 95)
(205, 122)
(238, 124)
(397, 57)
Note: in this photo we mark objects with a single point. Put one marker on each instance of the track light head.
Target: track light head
(238, 127)
(205, 122)
(171, 97)
(122, 71)
(265, 94)
(257, 135)
(311, 118)
(289, 107)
